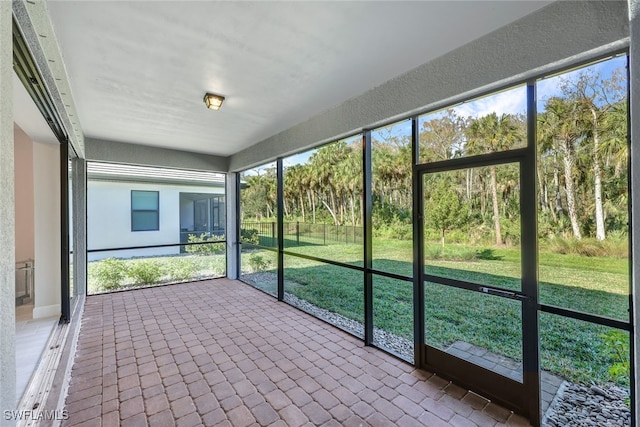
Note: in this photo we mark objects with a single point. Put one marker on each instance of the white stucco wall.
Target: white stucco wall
(46, 179)
(23, 175)
(559, 35)
(109, 218)
(7, 221)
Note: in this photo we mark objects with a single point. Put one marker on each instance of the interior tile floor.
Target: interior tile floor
(31, 338)
(220, 352)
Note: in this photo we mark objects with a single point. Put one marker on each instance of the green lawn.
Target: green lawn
(570, 348)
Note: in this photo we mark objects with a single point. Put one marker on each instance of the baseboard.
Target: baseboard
(46, 311)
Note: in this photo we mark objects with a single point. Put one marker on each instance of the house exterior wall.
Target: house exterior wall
(7, 220)
(109, 218)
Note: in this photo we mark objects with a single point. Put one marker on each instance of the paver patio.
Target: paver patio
(220, 352)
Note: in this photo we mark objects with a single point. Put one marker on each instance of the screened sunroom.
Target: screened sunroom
(319, 213)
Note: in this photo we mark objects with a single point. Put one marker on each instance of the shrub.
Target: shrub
(218, 266)
(511, 231)
(457, 236)
(394, 230)
(617, 245)
(434, 252)
(145, 272)
(258, 263)
(616, 349)
(181, 269)
(109, 273)
(570, 245)
(210, 249)
(249, 235)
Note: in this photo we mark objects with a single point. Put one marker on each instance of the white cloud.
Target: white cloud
(513, 101)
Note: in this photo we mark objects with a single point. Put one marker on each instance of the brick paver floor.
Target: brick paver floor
(508, 367)
(223, 353)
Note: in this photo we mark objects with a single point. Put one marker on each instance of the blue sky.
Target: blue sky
(297, 159)
(512, 101)
(547, 88)
(302, 158)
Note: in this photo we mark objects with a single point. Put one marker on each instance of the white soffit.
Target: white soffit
(121, 171)
(28, 117)
(139, 70)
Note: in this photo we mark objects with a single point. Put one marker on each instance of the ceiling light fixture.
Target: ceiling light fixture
(213, 101)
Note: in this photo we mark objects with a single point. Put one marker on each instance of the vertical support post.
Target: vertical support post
(634, 132)
(7, 219)
(418, 258)
(79, 230)
(232, 226)
(280, 197)
(529, 260)
(368, 244)
(65, 300)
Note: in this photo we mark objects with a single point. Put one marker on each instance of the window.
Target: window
(145, 214)
(218, 215)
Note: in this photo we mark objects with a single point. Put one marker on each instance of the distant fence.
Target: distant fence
(305, 233)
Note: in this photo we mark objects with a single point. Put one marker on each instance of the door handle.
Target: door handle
(503, 294)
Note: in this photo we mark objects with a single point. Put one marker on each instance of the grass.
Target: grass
(570, 348)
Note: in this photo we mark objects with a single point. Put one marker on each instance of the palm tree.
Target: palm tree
(294, 186)
(614, 145)
(349, 172)
(493, 133)
(560, 127)
(323, 164)
(596, 98)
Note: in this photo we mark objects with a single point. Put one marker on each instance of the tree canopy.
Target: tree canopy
(581, 170)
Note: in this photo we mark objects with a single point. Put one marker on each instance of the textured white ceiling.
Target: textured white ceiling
(139, 70)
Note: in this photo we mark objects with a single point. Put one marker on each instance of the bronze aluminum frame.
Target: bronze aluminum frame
(280, 237)
(529, 292)
(65, 290)
(521, 397)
